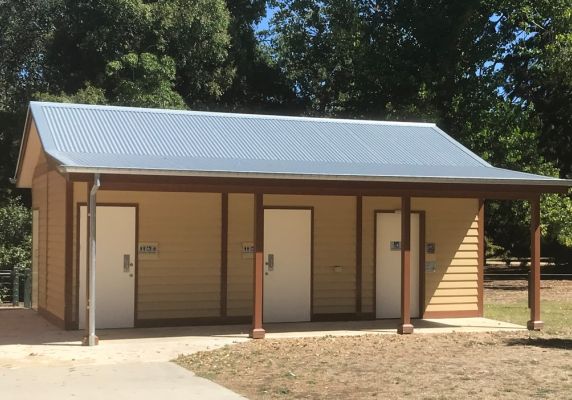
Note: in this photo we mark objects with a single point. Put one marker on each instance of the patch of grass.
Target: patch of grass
(557, 315)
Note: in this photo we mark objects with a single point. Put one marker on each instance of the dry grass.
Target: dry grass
(443, 366)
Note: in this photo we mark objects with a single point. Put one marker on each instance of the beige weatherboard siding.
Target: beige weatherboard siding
(49, 199)
(452, 224)
(184, 280)
(240, 230)
(40, 203)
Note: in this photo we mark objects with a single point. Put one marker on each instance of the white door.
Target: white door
(35, 257)
(288, 263)
(115, 267)
(388, 265)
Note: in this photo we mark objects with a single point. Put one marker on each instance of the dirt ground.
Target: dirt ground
(511, 365)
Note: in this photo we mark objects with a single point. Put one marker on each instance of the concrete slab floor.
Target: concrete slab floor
(39, 360)
(26, 339)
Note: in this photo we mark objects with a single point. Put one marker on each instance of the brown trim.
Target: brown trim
(192, 321)
(332, 317)
(422, 236)
(38, 258)
(136, 257)
(275, 207)
(47, 240)
(224, 255)
(69, 314)
(51, 317)
(535, 323)
(136, 268)
(421, 262)
(311, 209)
(317, 187)
(359, 266)
(77, 262)
(24, 147)
(481, 257)
(258, 331)
(405, 326)
(451, 314)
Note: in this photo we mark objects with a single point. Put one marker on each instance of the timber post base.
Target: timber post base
(257, 334)
(87, 342)
(535, 325)
(405, 329)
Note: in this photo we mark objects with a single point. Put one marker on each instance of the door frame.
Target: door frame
(421, 258)
(311, 209)
(77, 252)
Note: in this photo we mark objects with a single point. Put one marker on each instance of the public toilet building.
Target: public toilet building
(163, 217)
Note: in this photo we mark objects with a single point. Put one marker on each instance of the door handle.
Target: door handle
(270, 262)
(126, 262)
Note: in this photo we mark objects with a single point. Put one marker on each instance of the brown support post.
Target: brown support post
(257, 331)
(69, 310)
(534, 284)
(405, 326)
(224, 255)
(481, 257)
(359, 217)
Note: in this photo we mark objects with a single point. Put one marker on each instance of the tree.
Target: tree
(144, 81)
(15, 237)
(536, 69)
(460, 64)
(89, 35)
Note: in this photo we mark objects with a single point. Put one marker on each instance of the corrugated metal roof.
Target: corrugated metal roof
(86, 138)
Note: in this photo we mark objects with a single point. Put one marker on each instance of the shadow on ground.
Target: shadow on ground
(546, 343)
(24, 326)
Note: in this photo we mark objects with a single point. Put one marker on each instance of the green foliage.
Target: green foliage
(145, 81)
(537, 65)
(87, 95)
(15, 237)
(89, 35)
(496, 74)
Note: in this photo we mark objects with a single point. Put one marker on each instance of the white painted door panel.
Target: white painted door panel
(388, 266)
(287, 284)
(114, 284)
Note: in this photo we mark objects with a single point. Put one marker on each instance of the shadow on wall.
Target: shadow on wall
(452, 225)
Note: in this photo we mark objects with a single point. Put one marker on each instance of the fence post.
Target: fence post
(28, 290)
(15, 288)
(528, 291)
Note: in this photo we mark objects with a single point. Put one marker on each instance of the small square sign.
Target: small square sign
(430, 248)
(148, 250)
(394, 245)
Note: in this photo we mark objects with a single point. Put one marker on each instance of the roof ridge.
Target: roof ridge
(234, 115)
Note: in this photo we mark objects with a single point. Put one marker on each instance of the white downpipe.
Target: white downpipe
(91, 338)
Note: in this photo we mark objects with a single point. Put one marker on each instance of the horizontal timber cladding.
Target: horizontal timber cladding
(49, 198)
(183, 281)
(452, 225)
(56, 243)
(40, 203)
(334, 268)
(240, 231)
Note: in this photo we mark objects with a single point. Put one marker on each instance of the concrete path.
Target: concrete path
(40, 360)
(151, 380)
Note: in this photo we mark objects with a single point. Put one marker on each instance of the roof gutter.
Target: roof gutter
(560, 183)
